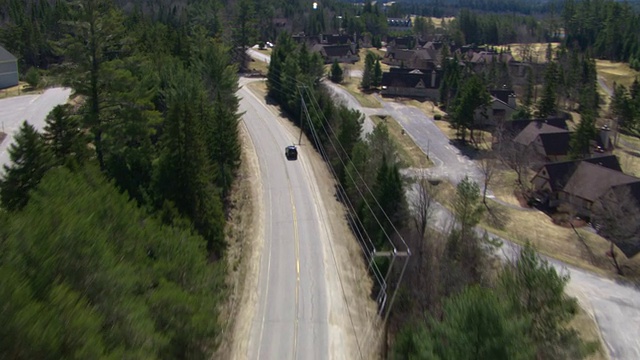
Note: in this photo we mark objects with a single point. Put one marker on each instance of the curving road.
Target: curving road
(291, 321)
(32, 108)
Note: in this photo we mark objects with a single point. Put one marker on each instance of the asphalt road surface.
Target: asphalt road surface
(291, 321)
(32, 108)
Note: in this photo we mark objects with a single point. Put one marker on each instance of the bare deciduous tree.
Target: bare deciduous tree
(517, 158)
(616, 216)
(422, 202)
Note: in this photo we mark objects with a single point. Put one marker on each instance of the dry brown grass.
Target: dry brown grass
(538, 50)
(589, 332)
(629, 160)
(352, 85)
(616, 72)
(503, 185)
(436, 21)
(410, 154)
(560, 242)
(21, 89)
(257, 65)
(259, 87)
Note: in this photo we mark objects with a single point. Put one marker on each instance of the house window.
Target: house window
(499, 113)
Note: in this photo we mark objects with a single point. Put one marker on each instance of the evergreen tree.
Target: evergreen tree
(536, 291)
(30, 160)
(95, 41)
(64, 137)
(467, 209)
(473, 96)
(582, 137)
(336, 72)
(547, 105)
(368, 74)
(184, 173)
(377, 74)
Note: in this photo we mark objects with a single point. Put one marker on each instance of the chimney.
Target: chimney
(512, 100)
(433, 79)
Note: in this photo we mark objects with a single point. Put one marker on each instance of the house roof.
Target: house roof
(409, 79)
(5, 55)
(502, 94)
(533, 130)
(335, 39)
(590, 181)
(559, 173)
(556, 143)
(516, 126)
(338, 50)
(487, 57)
(401, 54)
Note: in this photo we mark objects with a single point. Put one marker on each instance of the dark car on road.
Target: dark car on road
(291, 152)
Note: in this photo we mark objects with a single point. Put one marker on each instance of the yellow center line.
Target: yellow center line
(296, 246)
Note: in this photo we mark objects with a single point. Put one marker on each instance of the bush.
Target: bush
(437, 117)
(32, 77)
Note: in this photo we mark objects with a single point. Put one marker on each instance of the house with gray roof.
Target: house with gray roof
(8, 69)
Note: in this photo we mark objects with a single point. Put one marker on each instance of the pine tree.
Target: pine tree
(582, 137)
(95, 43)
(368, 73)
(377, 74)
(547, 105)
(64, 137)
(30, 160)
(336, 72)
(473, 96)
(477, 324)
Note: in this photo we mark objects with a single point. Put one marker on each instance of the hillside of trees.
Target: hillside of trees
(114, 216)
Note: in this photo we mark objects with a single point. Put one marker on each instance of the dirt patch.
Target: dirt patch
(2, 136)
(410, 154)
(244, 230)
(259, 66)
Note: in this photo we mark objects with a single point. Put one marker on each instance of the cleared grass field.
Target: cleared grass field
(616, 72)
(537, 51)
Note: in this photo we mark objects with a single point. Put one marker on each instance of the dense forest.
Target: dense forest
(114, 216)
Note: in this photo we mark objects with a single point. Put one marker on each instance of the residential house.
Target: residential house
(579, 182)
(401, 42)
(411, 83)
(422, 59)
(339, 53)
(335, 39)
(501, 106)
(8, 69)
(513, 127)
(548, 142)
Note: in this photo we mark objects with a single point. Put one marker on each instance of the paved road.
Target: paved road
(291, 321)
(259, 56)
(604, 86)
(32, 108)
